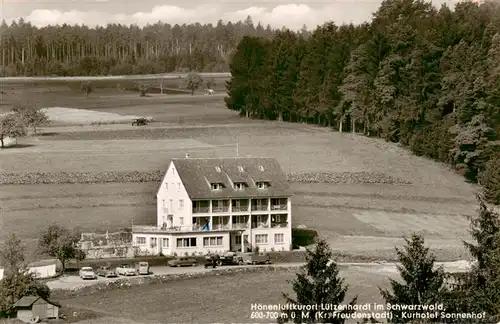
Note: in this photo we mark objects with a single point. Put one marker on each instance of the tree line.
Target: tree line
(424, 293)
(424, 77)
(119, 49)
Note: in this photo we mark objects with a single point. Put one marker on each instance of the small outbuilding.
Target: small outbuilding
(32, 309)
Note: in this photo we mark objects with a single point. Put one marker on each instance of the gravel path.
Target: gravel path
(74, 282)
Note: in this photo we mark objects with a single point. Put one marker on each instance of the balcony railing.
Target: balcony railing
(237, 209)
(279, 207)
(219, 227)
(201, 210)
(173, 229)
(259, 207)
(222, 209)
(260, 225)
(278, 225)
(239, 225)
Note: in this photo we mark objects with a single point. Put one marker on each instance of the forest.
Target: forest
(119, 50)
(425, 77)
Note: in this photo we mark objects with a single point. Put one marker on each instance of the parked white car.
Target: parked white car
(87, 273)
(126, 270)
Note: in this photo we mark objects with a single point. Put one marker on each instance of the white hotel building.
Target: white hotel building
(217, 205)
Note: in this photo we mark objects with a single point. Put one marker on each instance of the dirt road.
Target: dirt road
(73, 282)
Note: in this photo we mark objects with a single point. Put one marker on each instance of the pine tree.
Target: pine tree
(422, 284)
(490, 180)
(484, 280)
(317, 283)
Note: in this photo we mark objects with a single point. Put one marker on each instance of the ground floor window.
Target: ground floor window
(164, 242)
(279, 238)
(237, 240)
(154, 242)
(140, 240)
(212, 241)
(261, 239)
(186, 242)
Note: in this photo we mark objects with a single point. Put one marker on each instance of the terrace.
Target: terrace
(173, 229)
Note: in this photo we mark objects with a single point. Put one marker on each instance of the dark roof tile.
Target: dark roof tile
(195, 172)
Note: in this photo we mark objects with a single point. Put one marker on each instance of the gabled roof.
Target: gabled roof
(195, 172)
(28, 301)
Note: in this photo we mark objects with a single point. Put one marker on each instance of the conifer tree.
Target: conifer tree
(317, 283)
(483, 287)
(422, 283)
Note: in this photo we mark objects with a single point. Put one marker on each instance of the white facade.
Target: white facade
(186, 227)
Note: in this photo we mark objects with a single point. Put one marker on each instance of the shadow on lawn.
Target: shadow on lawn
(17, 146)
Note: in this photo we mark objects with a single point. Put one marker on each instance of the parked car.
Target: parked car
(87, 273)
(183, 262)
(107, 272)
(229, 258)
(142, 268)
(126, 270)
(255, 258)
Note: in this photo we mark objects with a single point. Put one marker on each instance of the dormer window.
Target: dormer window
(216, 186)
(240, 168)
(239, 186)
(261, 168)
(262, 185)
(218, 169)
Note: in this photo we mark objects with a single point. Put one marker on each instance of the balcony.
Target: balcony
(278, 221)
(239, 205)
(260, 225)
(279, 204)
(220, 206)
(201, 210)
(201, 207)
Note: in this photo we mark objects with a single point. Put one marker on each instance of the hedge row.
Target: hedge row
(124, 283)
(20, 178)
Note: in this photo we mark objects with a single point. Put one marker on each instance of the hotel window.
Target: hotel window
(261, 185)
(181, 204)
(154, 242)
(178, 186)
(239, 186)
(164, 242)
(212, 241)
(166, 186)
(261, 239)
(279, 238)
(186, 242)
(216, 186)
(140, 240)
(181, 220)
(237, 240)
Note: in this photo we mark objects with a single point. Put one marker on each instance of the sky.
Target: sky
(276, 13)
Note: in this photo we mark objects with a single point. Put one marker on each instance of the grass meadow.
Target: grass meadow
(363, 218)
(357, 219)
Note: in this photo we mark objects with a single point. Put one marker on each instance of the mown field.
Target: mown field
(218, 299)
(356, 218)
